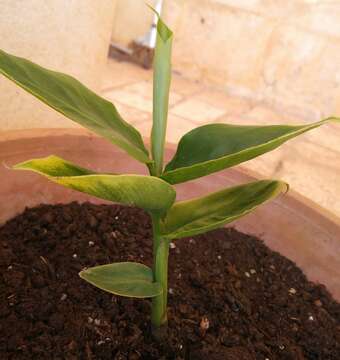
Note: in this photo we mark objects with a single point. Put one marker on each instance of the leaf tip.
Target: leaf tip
(282, 186)
(287, 188)
(152, 9)
(162, 29)
(334, 118)
(83, 273)
(19, 166)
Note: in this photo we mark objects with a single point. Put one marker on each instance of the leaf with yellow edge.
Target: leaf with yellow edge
(147, 192)
(197, 216)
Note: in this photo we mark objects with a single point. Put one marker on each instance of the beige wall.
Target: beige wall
(132, 20)
(69, 36)
(283, 52)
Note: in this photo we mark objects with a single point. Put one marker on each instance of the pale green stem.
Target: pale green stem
(160, 270)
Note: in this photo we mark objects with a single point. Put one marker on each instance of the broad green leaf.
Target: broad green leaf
(69, 97)
(215, 147)
(124, 279)
(197, 216)
(161, 85)
(147, 192)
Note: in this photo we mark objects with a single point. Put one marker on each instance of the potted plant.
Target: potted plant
(203, 151)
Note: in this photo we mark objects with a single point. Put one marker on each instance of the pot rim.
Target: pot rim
(37, 133)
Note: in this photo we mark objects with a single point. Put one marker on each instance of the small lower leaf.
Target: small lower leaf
(125, 279)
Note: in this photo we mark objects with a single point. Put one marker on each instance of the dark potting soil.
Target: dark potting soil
(255, 303)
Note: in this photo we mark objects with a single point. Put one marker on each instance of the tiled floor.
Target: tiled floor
(310, 163)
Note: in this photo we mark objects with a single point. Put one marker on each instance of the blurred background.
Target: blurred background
(234, 61)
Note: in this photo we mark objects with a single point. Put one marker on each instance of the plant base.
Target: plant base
(160, 333)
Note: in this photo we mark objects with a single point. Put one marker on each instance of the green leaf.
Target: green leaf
(147, 192)
(161, 86)
(215, 147)
(197, 216)
(69, 97)
(124, 279)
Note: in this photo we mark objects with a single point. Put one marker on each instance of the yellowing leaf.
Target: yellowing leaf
(147, 192)
(197, 216)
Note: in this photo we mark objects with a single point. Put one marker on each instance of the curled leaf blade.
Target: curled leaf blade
(197, 216)
(124, 279)
(161, 87)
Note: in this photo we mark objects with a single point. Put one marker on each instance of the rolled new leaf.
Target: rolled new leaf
(197, 216)
(147, 192)
(69, 97)
(215, 147)
(124, 279)
(161, 86)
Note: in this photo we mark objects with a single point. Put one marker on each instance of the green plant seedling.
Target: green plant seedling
(202, 151)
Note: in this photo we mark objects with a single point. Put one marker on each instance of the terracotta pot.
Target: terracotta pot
(291, 224)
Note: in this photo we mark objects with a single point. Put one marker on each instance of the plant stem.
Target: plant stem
(152, 169)
(160, 269)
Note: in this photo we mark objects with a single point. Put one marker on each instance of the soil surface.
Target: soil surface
(230, 296)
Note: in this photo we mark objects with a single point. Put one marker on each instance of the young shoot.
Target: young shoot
(202, 151)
